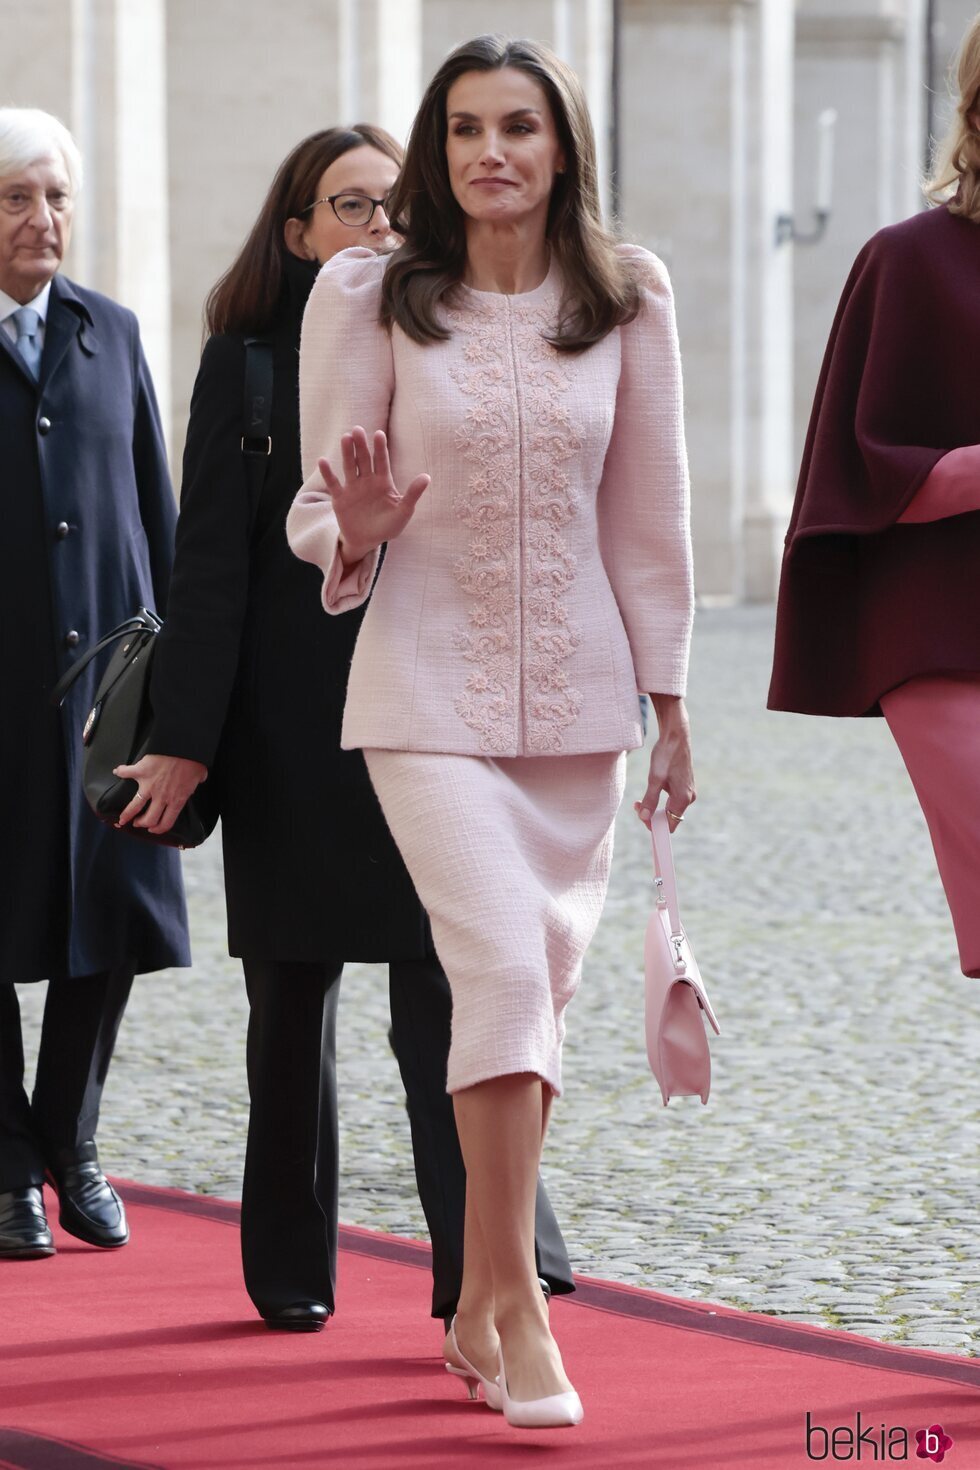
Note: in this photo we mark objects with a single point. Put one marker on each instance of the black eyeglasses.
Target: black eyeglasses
(351, 209)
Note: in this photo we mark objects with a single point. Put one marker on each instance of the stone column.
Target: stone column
(681, 201)
(323, 62)
(36, 55)
(99, 66)
(244, 86)
(769, 460)
(379, 75)
(867, 61)
(38, 60)
(583, 35)
(141, 183)
(707, 92)
(952, 20)
(915, 81)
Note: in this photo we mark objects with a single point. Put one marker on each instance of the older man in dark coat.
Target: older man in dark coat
(88, 530)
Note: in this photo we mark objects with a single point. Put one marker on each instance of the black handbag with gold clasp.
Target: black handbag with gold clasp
(117, 733)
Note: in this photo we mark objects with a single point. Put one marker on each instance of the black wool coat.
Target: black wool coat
(250, 677)
(88, 521)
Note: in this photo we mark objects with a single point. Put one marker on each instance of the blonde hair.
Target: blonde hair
(955, 177)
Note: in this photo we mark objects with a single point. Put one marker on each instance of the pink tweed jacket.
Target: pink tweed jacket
(545, 576)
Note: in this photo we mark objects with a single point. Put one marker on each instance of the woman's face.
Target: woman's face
(502, 146)
(319, 234)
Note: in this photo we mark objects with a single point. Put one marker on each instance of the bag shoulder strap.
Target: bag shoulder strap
(144, 621)
(257, 420)
(663, 868)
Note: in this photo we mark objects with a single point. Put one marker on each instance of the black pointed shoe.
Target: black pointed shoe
(300, 1317)
(90, 1209)
(24, 1233)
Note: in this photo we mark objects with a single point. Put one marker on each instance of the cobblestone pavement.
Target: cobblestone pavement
(833, 1177)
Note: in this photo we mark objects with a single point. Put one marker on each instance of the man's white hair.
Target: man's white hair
(28, 135)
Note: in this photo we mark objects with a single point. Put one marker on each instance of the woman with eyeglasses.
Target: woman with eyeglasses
(248, 691)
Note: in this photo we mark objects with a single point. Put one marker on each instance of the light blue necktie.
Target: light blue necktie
(26, 322)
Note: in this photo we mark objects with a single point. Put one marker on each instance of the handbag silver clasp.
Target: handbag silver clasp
(658, 884)
(677, 940)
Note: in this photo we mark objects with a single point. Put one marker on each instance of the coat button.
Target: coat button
(43, 425)
(72, 639)
(61, 530)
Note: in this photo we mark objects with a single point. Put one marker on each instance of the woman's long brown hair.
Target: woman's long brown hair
(600, 292)
(246, 297)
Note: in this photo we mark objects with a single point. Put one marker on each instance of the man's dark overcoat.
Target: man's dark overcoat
(250, 677)
(88, 521)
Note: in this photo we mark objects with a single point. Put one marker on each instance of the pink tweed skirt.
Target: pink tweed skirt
(935, 720)
(511, 859)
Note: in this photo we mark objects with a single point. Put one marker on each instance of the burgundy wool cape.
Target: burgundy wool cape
(865, 603)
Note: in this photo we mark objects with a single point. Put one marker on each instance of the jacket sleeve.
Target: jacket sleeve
(644, 495)
(346, 378)
(158, 509)
(196, 658)
(952, 488)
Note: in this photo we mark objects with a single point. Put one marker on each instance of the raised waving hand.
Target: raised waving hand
(368, 505)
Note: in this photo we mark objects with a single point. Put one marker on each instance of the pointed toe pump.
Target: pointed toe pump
(461, 1367)
(557, 1411)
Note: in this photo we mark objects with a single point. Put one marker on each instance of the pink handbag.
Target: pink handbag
(677, 1045)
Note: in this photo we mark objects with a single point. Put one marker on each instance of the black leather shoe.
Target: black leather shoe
(90, 1208)
(24, 1233)
(300, 1317)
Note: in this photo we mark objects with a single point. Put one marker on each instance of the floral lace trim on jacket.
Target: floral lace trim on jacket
(517, 494)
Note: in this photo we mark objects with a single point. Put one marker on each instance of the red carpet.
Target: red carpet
(151, 1356)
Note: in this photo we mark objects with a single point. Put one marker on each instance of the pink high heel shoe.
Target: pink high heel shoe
(463, 1368)
(557, 1411)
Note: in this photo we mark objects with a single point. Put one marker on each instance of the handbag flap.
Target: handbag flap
(118, 731)
(674, 991)
(665, 932)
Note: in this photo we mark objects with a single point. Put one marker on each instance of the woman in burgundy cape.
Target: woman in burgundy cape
(879, 602)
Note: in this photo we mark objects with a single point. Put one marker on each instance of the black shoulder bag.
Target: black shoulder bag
(119, 725)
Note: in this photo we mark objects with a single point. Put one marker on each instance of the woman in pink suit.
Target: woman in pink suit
(516, 374)
(878, 605)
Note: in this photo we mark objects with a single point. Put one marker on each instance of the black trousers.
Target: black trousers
(291, 1183)
(78, 1036)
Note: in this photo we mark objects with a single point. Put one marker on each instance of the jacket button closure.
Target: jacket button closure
(61, 530)
(72, 639)
(43, 425)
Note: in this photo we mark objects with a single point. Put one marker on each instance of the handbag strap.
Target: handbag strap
(144, 621)
(257, 420)
(663, 868)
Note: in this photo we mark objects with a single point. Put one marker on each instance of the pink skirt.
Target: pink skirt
(935, 720)
(511, 859)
